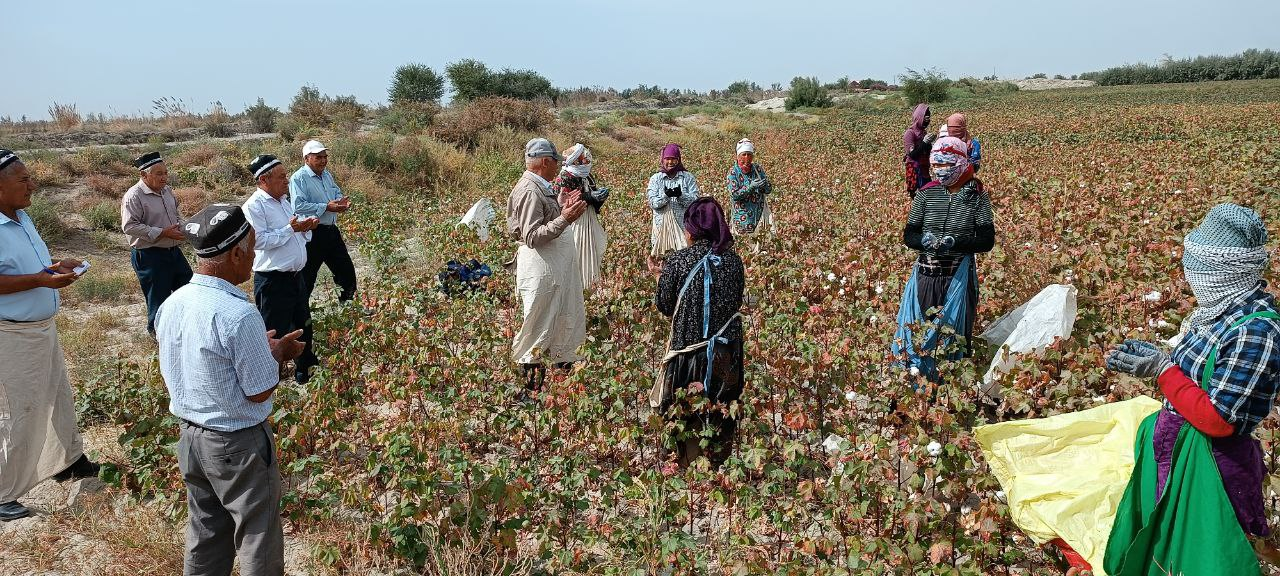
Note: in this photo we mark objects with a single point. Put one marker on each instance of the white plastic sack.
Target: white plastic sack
(479, 218)
(1031, 327)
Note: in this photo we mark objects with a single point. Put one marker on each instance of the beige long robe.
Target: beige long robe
(38, 434)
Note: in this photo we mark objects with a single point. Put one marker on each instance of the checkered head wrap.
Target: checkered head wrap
(1223, 258)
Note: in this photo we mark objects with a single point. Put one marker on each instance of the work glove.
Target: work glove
(930, 137)
(946, 243)
(928, 240)
(600, 194)
(1141, 359)
(674, 192)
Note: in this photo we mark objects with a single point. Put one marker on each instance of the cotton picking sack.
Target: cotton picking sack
(669, 234)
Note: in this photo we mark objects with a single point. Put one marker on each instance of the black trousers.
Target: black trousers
(282, 300)
(160, 271)
(327, 247)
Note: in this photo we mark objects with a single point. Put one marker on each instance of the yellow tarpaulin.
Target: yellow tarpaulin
(1064, 475)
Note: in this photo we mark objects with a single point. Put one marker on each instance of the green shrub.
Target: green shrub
(1251, 64)
(408, 117)
(415, 83)
(103, 216)
(463, 127)
(807, 93)
(472, 80)
(103, 287)
(924, 87)
(262, 117)
(311, 108)
(45, 215)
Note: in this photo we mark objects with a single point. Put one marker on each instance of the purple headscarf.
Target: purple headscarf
(916, 132)
(671, 151)
(704, 220)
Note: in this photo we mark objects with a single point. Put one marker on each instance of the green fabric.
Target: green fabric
(1192, 530)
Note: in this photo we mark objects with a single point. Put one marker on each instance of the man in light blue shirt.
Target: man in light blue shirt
(316, 194)
(38, 434)
(221, 366)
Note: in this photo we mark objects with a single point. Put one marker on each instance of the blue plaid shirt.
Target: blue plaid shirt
(1247, 373)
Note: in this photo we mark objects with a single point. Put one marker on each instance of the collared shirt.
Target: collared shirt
(145, 213)
(533, 212)
(1247, 373)
(214, 354)
(278, 247)
(22, 251)
(311, 193)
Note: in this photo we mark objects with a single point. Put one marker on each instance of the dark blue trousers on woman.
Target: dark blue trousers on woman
(282, 300)
(160, 271)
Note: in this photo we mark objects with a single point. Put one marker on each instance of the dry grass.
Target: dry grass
(198, 155)
(191, 200)
(97, 538)
(47, 173)
(64, 116)
(108, 186)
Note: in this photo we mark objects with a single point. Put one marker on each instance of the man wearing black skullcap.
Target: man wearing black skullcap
(149, 217)
(38, 434)
(221, 366)
(279, 284)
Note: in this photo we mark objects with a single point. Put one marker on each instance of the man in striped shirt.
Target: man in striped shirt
(221, 366)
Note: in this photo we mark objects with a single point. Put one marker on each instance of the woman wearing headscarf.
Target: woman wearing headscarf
(1199, 472)
(916, 142)
(748, 189)
(958, 126)
(701, 290)
(671, 190)
(588, 233)
(949, 223)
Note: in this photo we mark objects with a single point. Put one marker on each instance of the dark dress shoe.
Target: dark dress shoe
(82, 468)
(13, 511)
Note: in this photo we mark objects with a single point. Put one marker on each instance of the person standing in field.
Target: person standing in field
(958, 126)
(279, 287)
(1200, 472)
(701, 289)
(670, 192)
(548, 279)
(38, 434)
(588, 234)
(315, 194)
(916, 142)
(221, 367)
(950, 222)
(749, 189)
(149, 217)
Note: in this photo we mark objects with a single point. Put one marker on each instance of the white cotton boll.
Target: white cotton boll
(832, 443)
(850, 396)
(831, 276)
(843, 280)
(842, 291)
(1099, 398)
(874, 318)
(1153, 296)
(1163, 325)
(915, 371)
(1000, 495)
(965, 510)
(879, 288)
(934, 448)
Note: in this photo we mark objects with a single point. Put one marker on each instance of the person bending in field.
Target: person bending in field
(546, 266)
(958, 126)
(671, 190)
(701, 289)
(916, 142)
(949, 223)
(1200, 472)
(588, 234)
(749, 189)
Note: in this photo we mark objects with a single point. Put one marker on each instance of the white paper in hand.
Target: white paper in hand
(479, 218)
(82, 268)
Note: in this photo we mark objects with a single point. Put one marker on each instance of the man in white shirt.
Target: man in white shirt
(279, 288)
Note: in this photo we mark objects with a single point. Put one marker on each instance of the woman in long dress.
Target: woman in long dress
(671, 190)
(588, 233)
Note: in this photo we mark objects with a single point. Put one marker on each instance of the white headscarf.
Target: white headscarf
(572, 156)
(745, 145)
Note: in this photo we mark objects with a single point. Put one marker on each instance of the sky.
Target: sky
(117, 57)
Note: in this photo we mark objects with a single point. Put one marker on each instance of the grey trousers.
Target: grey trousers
(233, 501)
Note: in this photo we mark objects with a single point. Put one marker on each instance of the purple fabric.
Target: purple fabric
(916, 132)
(1239, 461)
(671, 151)
(704, 220)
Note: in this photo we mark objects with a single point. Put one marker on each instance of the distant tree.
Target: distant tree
(742, 87)
(415, 83)
(927, 86)
(470, 79)
(807, 92)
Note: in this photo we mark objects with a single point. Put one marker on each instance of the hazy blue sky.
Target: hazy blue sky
(119, 56)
